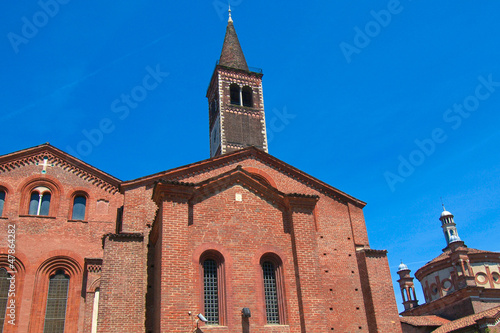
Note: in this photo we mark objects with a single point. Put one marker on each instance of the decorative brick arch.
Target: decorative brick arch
(73, 268)
(261, 175)
(40, 180)
(95, 285)
(19, 274)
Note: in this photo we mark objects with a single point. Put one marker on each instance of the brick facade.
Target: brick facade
(243, 207)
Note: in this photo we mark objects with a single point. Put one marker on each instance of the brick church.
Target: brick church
(242, 238)
(461, 288)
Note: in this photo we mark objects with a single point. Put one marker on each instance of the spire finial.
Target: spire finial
(230, 18)
(442, 203)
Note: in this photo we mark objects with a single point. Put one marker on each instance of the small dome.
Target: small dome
(454, 238)
(402, 267)
(446, 213)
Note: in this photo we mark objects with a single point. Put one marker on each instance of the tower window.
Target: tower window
(4, 295)
(79, 207)
(55, 313)
(2, 201)
(247, 95)
(40, 202)
(235, 94)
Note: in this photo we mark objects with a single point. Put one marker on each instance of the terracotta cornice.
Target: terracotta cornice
(296, 200)
(373, 253)
(65, 160)
(134, 237)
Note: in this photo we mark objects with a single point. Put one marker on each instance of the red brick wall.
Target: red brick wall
(378, 292)
(123, 285)
(139, 209)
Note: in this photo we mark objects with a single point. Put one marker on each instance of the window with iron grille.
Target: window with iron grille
(211, 291)
(55, 313)
(4, 295)
(271, 293)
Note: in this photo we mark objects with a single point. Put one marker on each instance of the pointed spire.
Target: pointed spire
(232, 55)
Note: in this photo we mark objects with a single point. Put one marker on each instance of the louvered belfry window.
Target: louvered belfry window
(211, 291)
(55, 313)
(271, 293)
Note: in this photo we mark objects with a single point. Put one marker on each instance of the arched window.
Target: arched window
(40, 201)
(79, 207)
(273, 288)
(4, 295)
(57, 297)
(212, 265)
(2, 201)
(247, 95)
(235, 94)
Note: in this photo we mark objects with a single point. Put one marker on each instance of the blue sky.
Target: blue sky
(393, 102)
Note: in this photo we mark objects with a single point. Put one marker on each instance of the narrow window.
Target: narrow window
(234, 92)
(2, 201)
(55, 313)
(4, 295)
(95, 310)
(35, 197)
(45, 205)
(270, 292)
(79, 206)
(247, 95)
(211, 291)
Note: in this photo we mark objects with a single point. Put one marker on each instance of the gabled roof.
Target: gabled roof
(425, 321)
(490, 316)
(239, 155)
(232, 55)
(239, 176)
(35, 154)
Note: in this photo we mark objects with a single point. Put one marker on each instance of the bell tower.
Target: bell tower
(407, 287)
(235, 101)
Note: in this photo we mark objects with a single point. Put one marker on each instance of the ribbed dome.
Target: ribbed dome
(402, 267)
(446, 213)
